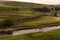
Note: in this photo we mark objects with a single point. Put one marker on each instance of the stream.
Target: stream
(19, 32)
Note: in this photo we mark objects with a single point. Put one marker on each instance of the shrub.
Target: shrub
(6, 23)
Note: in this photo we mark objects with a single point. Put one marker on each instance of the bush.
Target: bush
(6, 23)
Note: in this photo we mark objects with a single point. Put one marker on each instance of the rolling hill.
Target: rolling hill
(24, 14)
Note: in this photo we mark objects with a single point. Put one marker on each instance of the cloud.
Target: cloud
(52, 2)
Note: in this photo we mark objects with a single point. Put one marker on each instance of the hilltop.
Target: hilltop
(24, 4)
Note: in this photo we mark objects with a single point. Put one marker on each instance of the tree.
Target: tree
(6, 23)
(45, 9)
(15, 9)
(55, 9)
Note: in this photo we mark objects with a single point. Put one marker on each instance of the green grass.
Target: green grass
(43, 20)
(50, 35)
(3, 5)
(25, 12)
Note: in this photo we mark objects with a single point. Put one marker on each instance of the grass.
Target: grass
(43, 20)
(25, 12)
(3, 5)
(22, 15)
(50, 35)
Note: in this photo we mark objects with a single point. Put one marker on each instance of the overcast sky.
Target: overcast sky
(52, 2)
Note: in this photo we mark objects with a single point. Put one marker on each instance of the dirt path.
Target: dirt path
(57, 18)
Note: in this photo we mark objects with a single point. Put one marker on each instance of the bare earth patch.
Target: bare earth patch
(57, 18)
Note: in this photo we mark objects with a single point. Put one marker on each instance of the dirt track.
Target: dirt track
(57, 18)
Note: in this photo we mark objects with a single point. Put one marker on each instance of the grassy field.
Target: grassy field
(34, 22)
(23, 16)
(50, 35)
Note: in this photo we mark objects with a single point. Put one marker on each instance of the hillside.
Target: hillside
(27, 15)
(24, 4)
